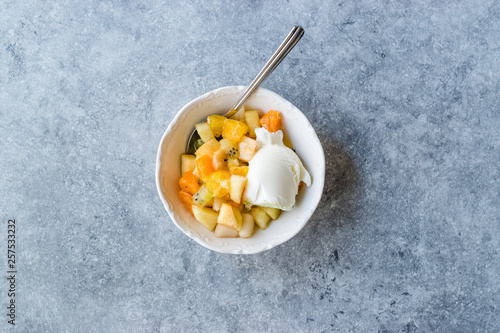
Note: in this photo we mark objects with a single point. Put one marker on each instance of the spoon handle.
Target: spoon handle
(280, 54)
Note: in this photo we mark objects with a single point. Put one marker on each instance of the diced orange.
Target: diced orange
(189, 183)
(204, 166)
(216, 122)
(219, 183)
(234, 130)
(271, 121)
(239, 170)
(186, 200)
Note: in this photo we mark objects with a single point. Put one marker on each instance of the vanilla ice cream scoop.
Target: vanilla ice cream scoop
(274, 173)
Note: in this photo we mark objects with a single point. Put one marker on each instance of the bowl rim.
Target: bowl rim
(173, 215)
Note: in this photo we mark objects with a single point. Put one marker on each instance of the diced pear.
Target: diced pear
(187, 163)
(230, 216)
(223, 231)
(240, 115)
(217, 203)
(238, 184)
(232, 162)
(204, 131)
(208, 148)
(229, 148)
(205, 216)
(252, 119)
(247, 227)
(237, 215)
(261, 218)
(247, 148)
(203, 196)
(272, 212)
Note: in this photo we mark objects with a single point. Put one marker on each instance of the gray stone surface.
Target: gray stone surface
(404, 95)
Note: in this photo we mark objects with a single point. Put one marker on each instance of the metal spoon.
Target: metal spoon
(286, 46)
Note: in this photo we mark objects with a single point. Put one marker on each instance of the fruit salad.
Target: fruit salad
(241, 173)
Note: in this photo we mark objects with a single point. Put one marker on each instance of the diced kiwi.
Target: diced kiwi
(252, 120)
(261, 218)
(229, 148)
(223, 231)
(187, 163)
(205, 216)
(203, 196)
(204, 131)
(272, 212)
(247, 227)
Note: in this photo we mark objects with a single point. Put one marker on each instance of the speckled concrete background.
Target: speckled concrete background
(404, 95)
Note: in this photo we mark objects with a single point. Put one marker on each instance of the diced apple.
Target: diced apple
(223, 231)
(217, 203)
(272, 212)
(208, 148)
(187, 163)
(238, 184)
(247, 148)
(252, 119)
(261, 218)
(247, 227)
(205, 216)
(230, 216)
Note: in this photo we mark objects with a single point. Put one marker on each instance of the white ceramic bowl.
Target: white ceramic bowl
(303, 138)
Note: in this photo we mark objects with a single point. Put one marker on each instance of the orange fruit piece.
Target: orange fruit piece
(234, 130)
(271, 121)
(189, 183)
(216, 122)
(239, 170)
(219, 183)
(204, 166)
(186, 200)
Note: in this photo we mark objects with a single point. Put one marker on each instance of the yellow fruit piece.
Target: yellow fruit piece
(239, 170)
(247, 148)
(219, 183)
(230, 216)
(234, 130)
(252, 119)
(216, 122)
(205, 216)
(208, 148)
